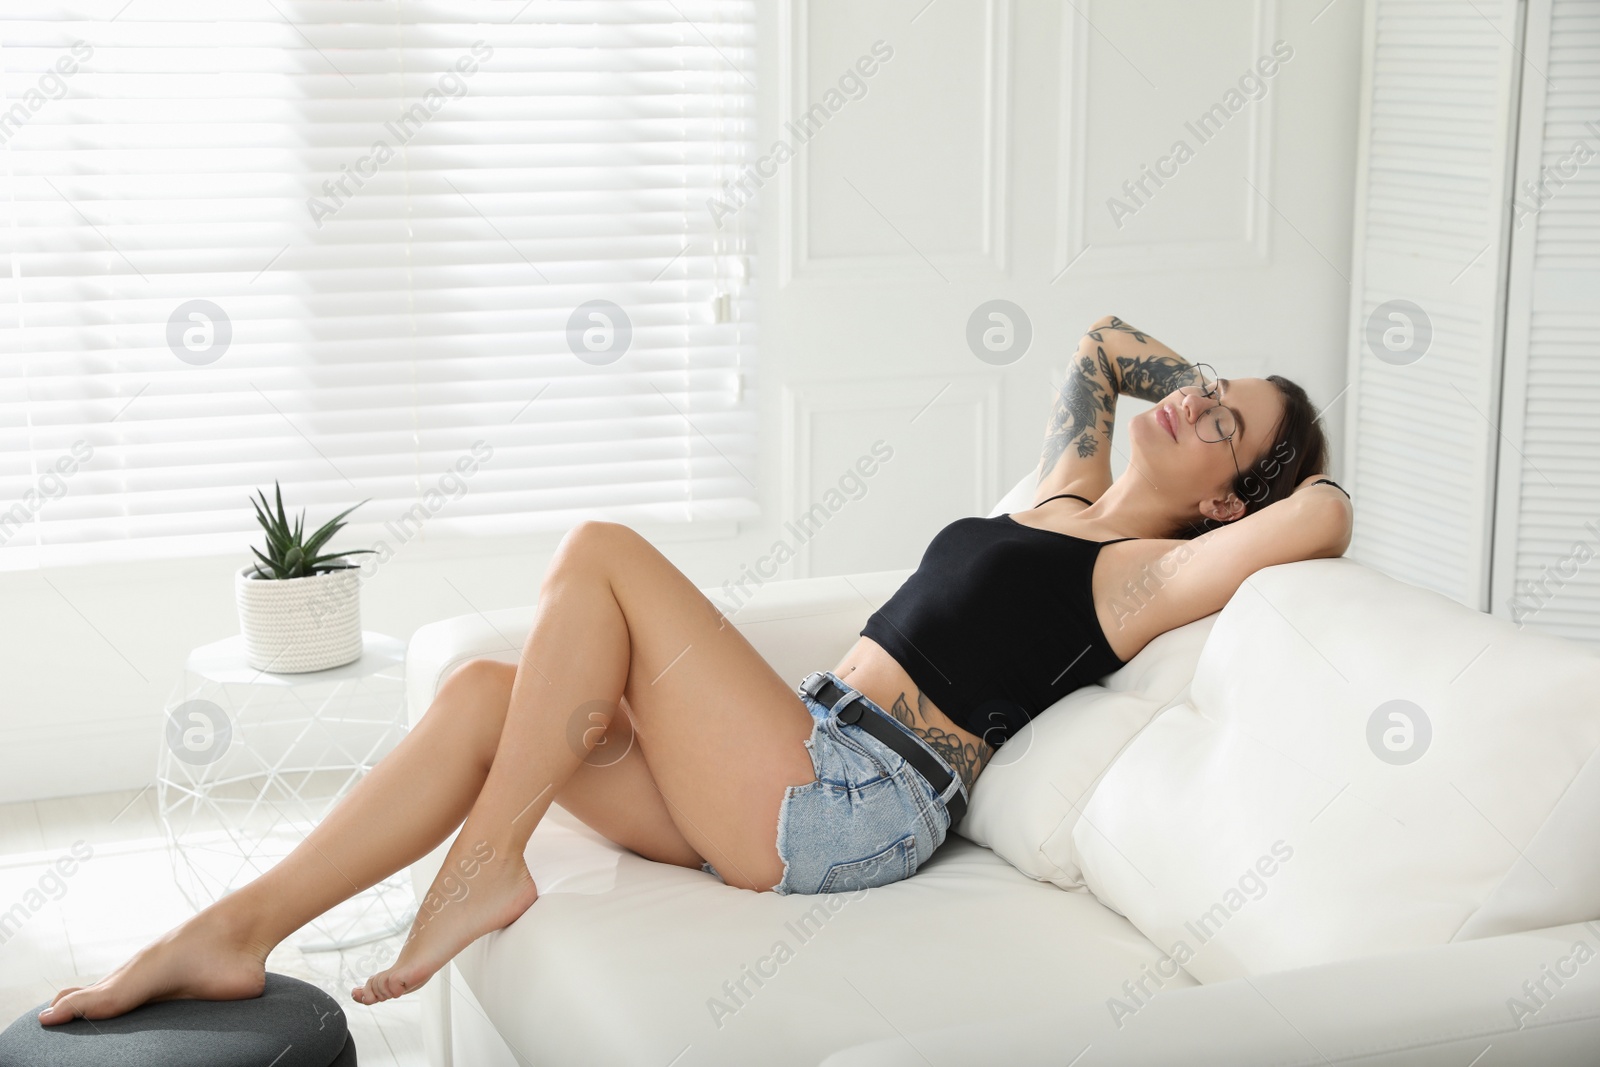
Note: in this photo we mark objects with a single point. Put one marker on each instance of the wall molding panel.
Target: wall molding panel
(1077, 200)
(960, 412)
(802, 204)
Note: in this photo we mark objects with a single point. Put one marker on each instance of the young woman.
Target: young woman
(855, 780)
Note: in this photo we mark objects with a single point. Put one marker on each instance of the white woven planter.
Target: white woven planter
(300, 624)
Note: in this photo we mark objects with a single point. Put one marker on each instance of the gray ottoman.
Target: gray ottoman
(291, 1024)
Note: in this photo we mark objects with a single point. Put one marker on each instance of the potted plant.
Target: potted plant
(300, 610)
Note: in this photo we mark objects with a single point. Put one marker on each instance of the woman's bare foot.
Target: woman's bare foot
(210, 957)
(478, 889)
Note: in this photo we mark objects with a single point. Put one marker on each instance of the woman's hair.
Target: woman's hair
(1299, 451)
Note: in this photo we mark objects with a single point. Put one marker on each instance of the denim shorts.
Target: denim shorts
(869, 819)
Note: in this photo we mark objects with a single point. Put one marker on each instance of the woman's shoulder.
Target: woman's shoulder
(1130, 580)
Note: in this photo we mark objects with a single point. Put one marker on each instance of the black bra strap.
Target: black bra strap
(1075, 496)
(1333, 483)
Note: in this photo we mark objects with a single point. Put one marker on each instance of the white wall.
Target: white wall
(976, 165)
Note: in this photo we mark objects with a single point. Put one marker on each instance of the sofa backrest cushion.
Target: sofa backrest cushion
(1028, 800)
(1359, 766)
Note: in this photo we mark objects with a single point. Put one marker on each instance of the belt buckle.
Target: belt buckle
(811, 683)
(850, 706)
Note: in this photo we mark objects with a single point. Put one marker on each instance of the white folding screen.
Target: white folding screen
(1433, 179)
(1547, 537)
(460, 258)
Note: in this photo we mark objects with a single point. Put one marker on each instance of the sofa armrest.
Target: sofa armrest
(798, 625)
(1445, 1004)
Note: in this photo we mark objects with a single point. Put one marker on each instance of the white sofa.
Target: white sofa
(1217, 856)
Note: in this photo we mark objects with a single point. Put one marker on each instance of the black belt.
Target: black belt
(860, 711)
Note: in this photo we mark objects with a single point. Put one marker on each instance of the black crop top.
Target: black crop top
(998, 622)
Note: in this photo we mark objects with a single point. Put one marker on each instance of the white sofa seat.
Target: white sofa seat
(626, 961)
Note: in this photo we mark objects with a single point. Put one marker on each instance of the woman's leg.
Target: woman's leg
(398, 812)
(722, 733)
(613, 791)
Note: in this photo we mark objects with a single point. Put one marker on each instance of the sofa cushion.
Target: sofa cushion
(1360, 766)
(622, 960)
(1029, 799)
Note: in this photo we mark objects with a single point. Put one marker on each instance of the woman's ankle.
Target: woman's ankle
(244, 919)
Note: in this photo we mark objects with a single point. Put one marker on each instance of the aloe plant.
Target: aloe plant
(290, 554)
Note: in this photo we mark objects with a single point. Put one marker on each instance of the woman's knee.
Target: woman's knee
(481, 673)
(590, 543)
(478, 690)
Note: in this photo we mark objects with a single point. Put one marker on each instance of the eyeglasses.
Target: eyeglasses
(1218, 422)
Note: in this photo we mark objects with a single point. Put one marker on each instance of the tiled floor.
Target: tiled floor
(75, 929)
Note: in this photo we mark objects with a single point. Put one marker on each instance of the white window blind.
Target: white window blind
(355, 246)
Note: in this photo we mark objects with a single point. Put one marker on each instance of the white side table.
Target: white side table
(251, 761)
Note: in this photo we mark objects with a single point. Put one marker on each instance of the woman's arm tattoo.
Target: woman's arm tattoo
(961, 755)
(1111, 360)
(1086, 399)
(1144, 367)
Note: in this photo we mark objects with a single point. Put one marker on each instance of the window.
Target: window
(459, 260)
